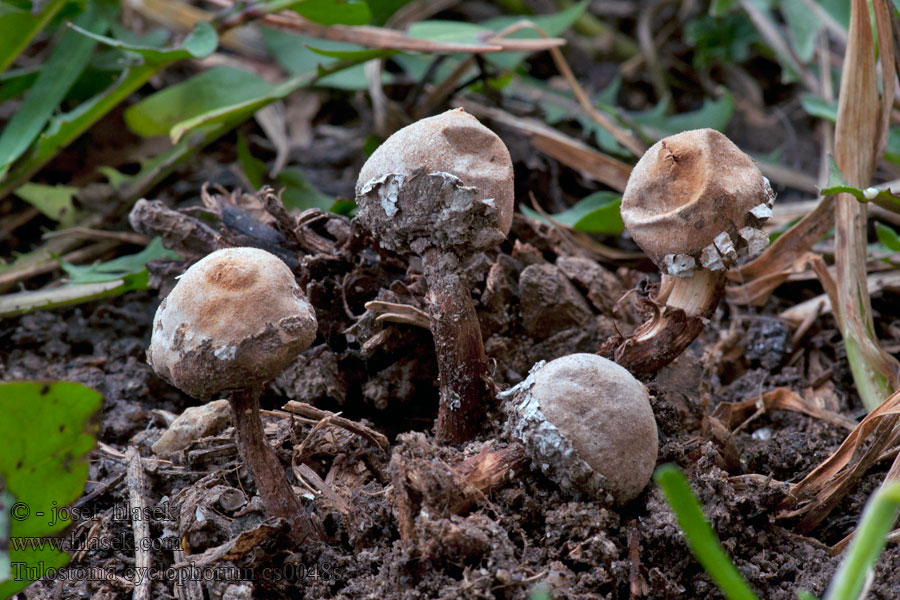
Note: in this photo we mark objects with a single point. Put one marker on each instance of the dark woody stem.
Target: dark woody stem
(276, 493)
(686, 306)
(462, 365)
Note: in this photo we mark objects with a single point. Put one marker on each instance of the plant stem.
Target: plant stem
(276, 493)
(687, 304)
(462, 365)
(861, 120)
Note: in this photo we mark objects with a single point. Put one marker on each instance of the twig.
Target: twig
(139, 525)
(311, 412)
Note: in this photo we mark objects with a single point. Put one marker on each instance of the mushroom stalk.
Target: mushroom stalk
(462, 365)
(277, 495)
(681, 310)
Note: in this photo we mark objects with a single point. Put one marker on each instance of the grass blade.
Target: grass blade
(855, 570)
(700, 536)
(57, 76)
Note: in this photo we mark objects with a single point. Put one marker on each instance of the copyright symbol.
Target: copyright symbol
(20, 511)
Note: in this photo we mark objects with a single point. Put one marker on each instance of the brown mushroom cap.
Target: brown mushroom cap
(695, 199)
(454, 144)
(588, 424)
(235, 319)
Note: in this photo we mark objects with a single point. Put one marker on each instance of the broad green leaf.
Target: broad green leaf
(47, 430)
(892, 150)
(804, 26)
(117, 268)
(294, 54)
(700, 536)
(714, 114)
(888, 237)
(334, 12)
(57, 75)
(597, 213)
(299, 194)
(254, 169)
(343, 207)
(383, 9)
(54, 201)
(207, 92)
(20, 26)
(200, 43)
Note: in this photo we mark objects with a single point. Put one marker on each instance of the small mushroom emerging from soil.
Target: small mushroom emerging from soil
(234, 321)
(587, 424)
(442, 188)
(695, 204)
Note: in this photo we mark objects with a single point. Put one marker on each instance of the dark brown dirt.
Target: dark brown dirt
(409, 522)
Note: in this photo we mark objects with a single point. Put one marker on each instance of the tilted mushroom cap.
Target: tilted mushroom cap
(588, 425)
(439, 154)
(235, 319)
(694, 199)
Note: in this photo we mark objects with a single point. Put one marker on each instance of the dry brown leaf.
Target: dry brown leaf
(818, 493)
(735, 414)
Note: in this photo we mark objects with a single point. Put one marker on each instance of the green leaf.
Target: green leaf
(715, 114)
(457, 32)
(553, 25)
(54, 201)
(719, 40)
(365, 54)
(858, 564)
(47, 430)
(334, 12)
(700, 536)
(817, 107)
(597, 213)
(200, 43)
(117, 268)
(254, 169)
(804, 26)
(343, 207)
(66, 127)
(207, 92)
(20, 26)
(299, 194)
(21, 303)
(382, 10)
(57, 75)
(294, 54)
(837, 184)
(16, 82)
(888, 237)
(6, 501)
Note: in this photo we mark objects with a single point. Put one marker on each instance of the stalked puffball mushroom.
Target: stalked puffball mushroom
(695, 204)
(587, 424)
(442, 188)
(234, 321)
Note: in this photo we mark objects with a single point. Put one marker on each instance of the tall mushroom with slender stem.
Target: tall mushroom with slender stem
(442, 188)
(234, 321)
(694, 203)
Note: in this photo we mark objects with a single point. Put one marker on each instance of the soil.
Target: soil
(524, 533)
(414, 518)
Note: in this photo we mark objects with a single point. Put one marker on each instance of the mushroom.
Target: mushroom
(695, 204)
(234, 321)
(587, 424)
(442, 188)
